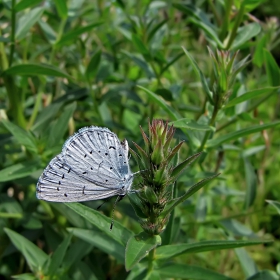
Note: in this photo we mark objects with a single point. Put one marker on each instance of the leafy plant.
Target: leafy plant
(70, 64)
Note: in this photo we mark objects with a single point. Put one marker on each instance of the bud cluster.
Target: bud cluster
(158, 175)
(225, 72)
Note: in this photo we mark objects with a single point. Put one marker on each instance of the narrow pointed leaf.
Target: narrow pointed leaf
(174, 151)
(193, 189)
(119, 233)
(62, 9)
(202, 77)
(176, 171)
(35, 70)
(136, 204)
(101, 241)
(146, 140)
(245, 33)
(158, 100)
(251, 95)
(169, 251)
(240, 133)
(139, 161)
(93, 65)
(175, 270)
(155, 29)
(272, 69)
(251, 183)
(275, 204)
(58, 256)
(74, 34)
(19, 170)
(138, 247)
(26, 21)
(192, 125)
(22, 136)
(34, 256)
(59, 127)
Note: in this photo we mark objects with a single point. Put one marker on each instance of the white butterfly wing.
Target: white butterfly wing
(93, 165)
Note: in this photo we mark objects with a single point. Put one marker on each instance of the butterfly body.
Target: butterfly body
(93, 165)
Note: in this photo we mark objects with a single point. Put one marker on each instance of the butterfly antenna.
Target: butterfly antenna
(113, 213)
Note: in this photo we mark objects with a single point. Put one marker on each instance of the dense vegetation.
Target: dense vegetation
(209, 69)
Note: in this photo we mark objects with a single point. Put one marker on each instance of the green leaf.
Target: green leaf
(73, 34)
(180, 167)
(275, 204)
(59, 127)
(194, 11)
(251, 95)
(48, 31)
(272, 69)
(34, 256)
(61, 6)
(201, 75)
(165, 94)
(159, 101)
(192, 125)
(138, 247)
(102, 241)
(264, 275)
(76, 251)
(209, 31)
(258, 57)
(35, 70)
(245, 33)
(193, 189)
(200, 19)
(155, 29)
(23, 4)
(136, 204)
(58, 256)
(27, 21)
(184, 271)
(25, 276)
(19, 170)
(251, 183)
(171, 62)
(169, 251)
(93, 66)
(45, 116)
(139, 45)
(247, 263)
(119, 233)
(240, 133)
(22, 136)
(140, 63)
(252, 4)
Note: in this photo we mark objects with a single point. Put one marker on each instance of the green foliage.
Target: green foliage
(210, 69)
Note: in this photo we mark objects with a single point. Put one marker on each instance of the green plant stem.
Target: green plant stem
(156, 73)
(36, 108)
(226, 19)
(213, 8)
(207, 134)
(236, 25)
(151, 258)
(16, 107)
(3, 58)
(13, 28)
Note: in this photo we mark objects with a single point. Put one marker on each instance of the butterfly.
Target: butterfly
(93, 165)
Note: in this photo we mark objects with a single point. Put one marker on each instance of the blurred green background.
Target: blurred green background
(120, 64)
